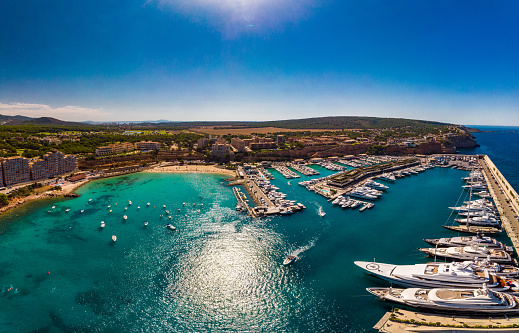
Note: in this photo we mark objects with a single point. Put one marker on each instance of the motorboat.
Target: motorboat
(479, 220)
(469, 253)
(436, 275)
(288, 260)
(145, 223)
(125, 217)
(479, 240)
(148, 204)
(114, 238)
(473, 301)
(67, 210)
(321, 212)
(129, 202)
(102, 224)
(170, 227)
(82, 210)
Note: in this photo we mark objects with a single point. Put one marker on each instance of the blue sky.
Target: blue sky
(452, 61)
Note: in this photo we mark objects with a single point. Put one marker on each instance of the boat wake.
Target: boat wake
(302, 249)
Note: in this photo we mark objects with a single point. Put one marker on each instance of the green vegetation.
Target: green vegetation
(24, 191)
(4, 200)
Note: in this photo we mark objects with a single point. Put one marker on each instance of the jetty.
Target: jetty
(505, 198)
(409, 321)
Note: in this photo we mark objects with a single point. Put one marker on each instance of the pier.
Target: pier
(505, 198)
(409, 321)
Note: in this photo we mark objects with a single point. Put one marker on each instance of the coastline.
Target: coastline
(194, 168)
(66, 191)
(69, 189)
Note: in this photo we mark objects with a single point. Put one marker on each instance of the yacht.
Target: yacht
(473, 301)
(475, 187)
(377, 186)
(435, 275)
(387, 177)
(469, 253)
(466, 241)
(485, 220)
(288, 260)
(483, 194)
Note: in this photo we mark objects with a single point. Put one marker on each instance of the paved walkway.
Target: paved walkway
(505, 209)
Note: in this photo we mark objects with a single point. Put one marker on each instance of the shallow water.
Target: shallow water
(220, 270)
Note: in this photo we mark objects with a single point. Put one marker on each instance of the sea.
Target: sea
(220, 270)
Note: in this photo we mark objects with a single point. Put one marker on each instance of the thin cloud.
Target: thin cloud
(68, 112)
(236, 17)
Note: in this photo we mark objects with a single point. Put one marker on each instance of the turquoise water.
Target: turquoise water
(223, 271)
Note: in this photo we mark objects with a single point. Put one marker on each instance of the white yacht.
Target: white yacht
(466, 241)
(473, 301)
(377, 186)
(484, 220)
(436, 275)
(170, 227)
(475, 187)
(470, 253)
(321, 212)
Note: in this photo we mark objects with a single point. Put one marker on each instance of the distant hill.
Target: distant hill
(349, 122)
(41, 121)
(12, 120)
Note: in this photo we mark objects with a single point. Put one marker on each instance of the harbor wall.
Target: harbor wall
(509, 191)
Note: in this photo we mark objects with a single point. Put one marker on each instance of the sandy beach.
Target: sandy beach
(192, 169)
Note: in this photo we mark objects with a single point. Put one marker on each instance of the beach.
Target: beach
(192, 168)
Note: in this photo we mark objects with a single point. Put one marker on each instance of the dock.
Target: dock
(505, 198)
(409, 321)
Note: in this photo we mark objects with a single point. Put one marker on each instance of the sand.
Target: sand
(192, 169)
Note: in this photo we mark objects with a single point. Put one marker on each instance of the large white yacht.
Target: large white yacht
(484, 220)
(470, 253)
(437, 275)
(467, 241)
(479, 301)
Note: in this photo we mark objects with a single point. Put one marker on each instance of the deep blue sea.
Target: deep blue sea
(501, 144)
(221, 270)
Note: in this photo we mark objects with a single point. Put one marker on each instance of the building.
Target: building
(147, 146)
(221, 150)
(202, 142)
(280, 139)
(52, 164)
(238, 144)
(115, 149)
(16, 169)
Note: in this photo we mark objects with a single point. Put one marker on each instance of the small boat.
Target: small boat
(167, 211)
(138, 207)
(114, 238)
(182, 204)
(170, 227)
(179, 209)
(169, 217)
(89, 200)
(146, 223)
(148, 204)
(202, 204)
(110, 211)
(288, 260)
(102, 224)
(53, 207)
(82, 210)
(68, 209)
(129, 202)
(163, 206)
(321, 212)
(125, 208)
(289, 183)
(109, 206)
(125, 217)
(194, 204)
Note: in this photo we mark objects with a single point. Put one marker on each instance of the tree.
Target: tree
(4, 200)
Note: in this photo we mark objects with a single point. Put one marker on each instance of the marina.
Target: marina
(212, 214)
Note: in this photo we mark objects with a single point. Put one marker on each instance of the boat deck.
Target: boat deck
(407, 321)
